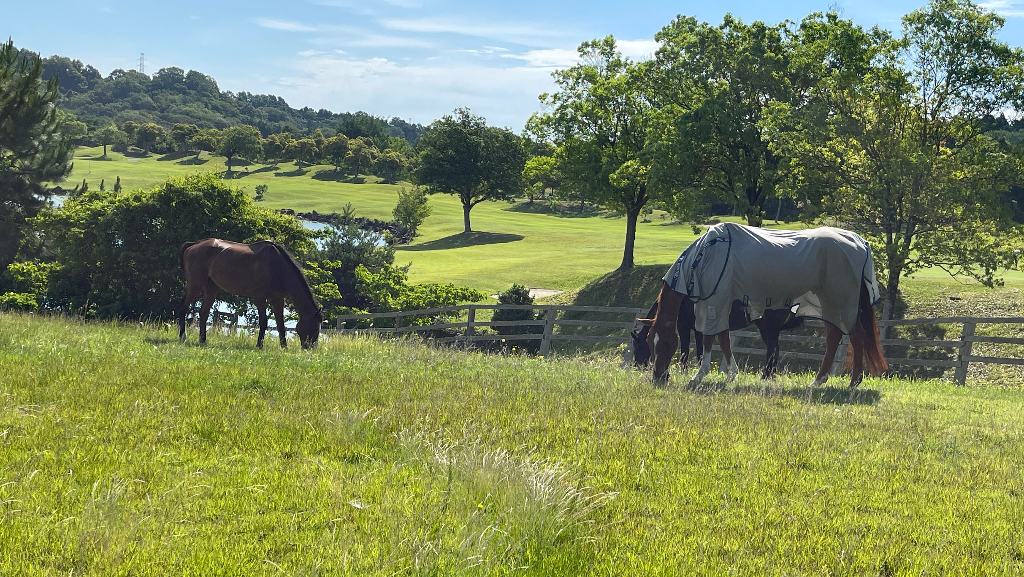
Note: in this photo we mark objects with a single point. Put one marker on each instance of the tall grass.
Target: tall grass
(123, 452)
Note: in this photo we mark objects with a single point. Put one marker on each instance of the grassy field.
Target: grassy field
(125, 453)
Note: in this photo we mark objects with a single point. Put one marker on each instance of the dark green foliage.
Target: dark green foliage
(32, 149)
(388, 290)
(118, 255)
(261, 189)
(518, 295)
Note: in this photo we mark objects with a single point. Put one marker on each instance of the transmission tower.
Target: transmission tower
(142, 63)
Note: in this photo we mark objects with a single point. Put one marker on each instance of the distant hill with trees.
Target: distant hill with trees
(173, 96)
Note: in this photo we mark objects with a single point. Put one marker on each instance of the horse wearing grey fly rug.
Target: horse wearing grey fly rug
(825, 273)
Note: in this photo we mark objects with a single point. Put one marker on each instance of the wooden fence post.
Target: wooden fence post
(398, 322)
(549, 329)
(960, 376)
(470, 323)
(341, 324)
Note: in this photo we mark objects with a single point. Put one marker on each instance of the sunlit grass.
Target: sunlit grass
(123, 452)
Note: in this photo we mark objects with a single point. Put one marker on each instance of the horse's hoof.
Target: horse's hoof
(818, 382)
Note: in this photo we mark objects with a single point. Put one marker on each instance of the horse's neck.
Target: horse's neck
(301, 295)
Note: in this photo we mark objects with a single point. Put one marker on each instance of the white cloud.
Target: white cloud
(1003, 7)
(505, 96)
(564, 58)
(286, 25)
(521, 33)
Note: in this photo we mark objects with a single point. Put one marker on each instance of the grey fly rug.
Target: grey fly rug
(820, 269)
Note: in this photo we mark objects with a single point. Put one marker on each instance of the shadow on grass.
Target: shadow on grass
(464, 239)
(174, 156)
(296, 172)
(193, 161)
(557, 209)
(822, 395)
(271, 168)
(338, 176)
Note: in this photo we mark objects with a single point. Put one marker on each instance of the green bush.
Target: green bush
(388, 291)
(518, 295)
(118, 256)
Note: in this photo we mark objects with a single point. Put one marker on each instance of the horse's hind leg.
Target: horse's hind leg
(209, 296)
(261, 307)
(705, 360)
(192, 291)
(770, 336)
(857, 340)
(832, 338)
(277, 304)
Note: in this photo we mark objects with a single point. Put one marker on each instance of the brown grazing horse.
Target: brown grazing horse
(263, 271)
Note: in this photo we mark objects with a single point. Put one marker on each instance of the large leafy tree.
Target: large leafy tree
(724, 80)
(240, 141)
(32, 149)
(463, 156)
(898, 151)
(110, 135)
(609, 128)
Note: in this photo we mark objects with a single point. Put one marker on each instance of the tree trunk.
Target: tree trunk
(627, 254)
(466, 207)
(229, 164)
(778, 209)
(104, 151)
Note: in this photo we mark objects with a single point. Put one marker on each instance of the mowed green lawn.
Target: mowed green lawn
(511, 243)
(125, 453)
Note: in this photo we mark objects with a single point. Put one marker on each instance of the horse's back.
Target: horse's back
(243, 269)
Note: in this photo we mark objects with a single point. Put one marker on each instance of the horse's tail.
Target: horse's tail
(874, 359)
(181, 255)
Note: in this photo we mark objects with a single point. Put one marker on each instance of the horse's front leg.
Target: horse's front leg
(705, 360)
(732, 368)
(277, 303)
(261, 307)
(770, 337)
(832, 338)
(191, 294)
(209, 296)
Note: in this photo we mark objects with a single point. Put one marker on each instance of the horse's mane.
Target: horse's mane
(298, 270)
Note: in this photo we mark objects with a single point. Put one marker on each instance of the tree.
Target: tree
(306, 150)
(71, 127)
(608, 128)
(182, 134)
(389, 165)
(412, 208)
(207, 139)
(242, 141)
(897, 149)
(723, 81)
(276, 146)
(542, 176)
(335, 150)
(32, 149)
(148, 135)
(461, 155)
(109, 135)
(361, 153)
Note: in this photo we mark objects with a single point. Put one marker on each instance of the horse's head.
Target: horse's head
(662, 336)
(641, 351)
(308, 328)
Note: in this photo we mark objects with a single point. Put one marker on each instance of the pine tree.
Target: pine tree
(117, 185)
(32, 149)
(102, 188)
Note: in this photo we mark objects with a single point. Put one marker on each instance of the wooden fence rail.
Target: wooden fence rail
(548, 318)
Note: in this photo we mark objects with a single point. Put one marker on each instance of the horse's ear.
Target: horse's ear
(648, 322)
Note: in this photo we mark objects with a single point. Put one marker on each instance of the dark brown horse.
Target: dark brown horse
(684, 324)
(263, 271)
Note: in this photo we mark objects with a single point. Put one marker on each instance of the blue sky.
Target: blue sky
(416, 59)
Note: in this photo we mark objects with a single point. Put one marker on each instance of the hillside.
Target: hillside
(123, 452)
(172, 95)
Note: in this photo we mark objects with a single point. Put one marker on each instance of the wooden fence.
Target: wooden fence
(549, 319)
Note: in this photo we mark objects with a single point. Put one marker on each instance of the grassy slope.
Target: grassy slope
(122, 452)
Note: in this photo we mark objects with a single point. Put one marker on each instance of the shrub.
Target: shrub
(118, 255)
(518, 295)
